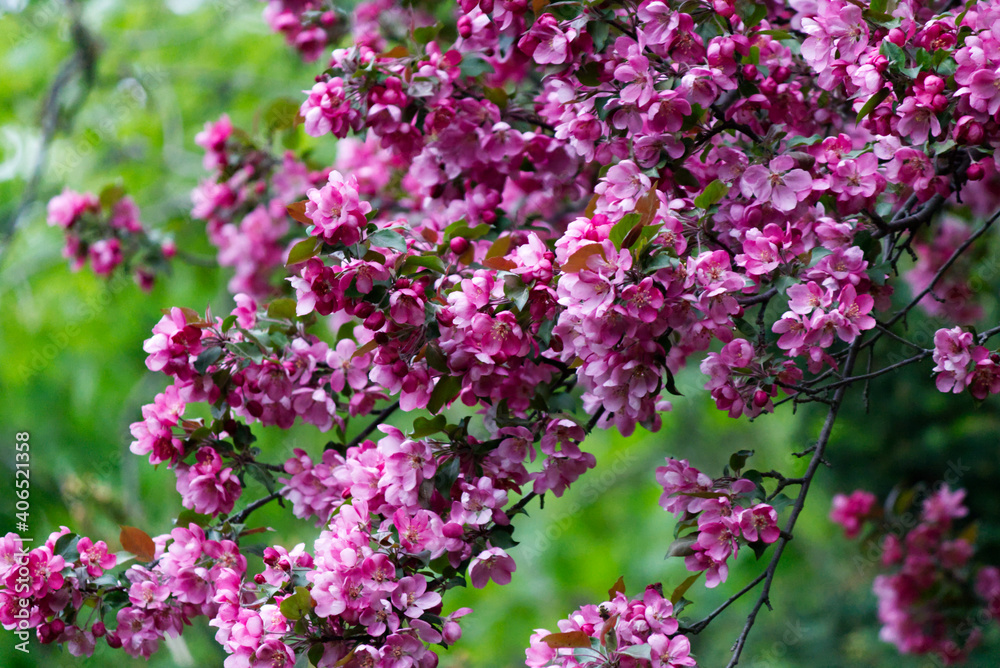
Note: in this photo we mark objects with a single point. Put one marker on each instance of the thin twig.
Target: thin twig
(259, 503)
(373, 425)
(817, 458)
(700, 625)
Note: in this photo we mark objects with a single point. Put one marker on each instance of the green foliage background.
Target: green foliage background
(72, 374)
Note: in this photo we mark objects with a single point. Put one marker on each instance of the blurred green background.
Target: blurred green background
(72, 374)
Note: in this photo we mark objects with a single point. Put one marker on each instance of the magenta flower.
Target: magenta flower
(412, 598)
(670, 652)
(777, 183)
(760, 523)
(852, 314)
(95, 556)
(850, 511)
(491, 564)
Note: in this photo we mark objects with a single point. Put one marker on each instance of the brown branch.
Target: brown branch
(786, 535)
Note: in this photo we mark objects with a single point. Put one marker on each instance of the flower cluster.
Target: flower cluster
(244, 204)
(641, 632)
(106, 231)
(722, 513)
(548, 211)
(45, 588)
(932, 598)
(960, 365)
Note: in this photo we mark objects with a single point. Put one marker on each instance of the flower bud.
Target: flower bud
(897, 37)
(750, 72)
(975, 172)
(933, 84)
(114, 641)
(760, 398)
(465, 26)
(459, 245)
(98, 629)
(375, 321)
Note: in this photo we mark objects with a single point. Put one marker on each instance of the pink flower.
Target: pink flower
(491, 564)
(670, 652)
(546, 42)
(95, 557)
(412, 598)
(777, 183)
(760, 523)
(337, 211)
(64, 209)
(853, 315)
(944, 505)
(952, 356)
(850, 511)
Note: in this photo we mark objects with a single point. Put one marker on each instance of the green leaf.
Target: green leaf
(622, 228)
(110, 195)
(598, 31)
(187, 517)
(282, 308)
(712, 193)
(516, 291)
(446, 476)
(423, 427)
(751, 13)
(503, 537)
(228, 323)
(590, 74)
(739, 459)
(281, 114)
(261, 475)
(682, 588)
(425, 34)
(643, 651)
(415, 262)
(66, 547)
(473, 65)
(447, 388)
(681, 547)
(388, 239)
(683, 177)
(207, 358)
(895, 54)
(248, 350)
(776, 34)
(671, 384)
(304, 250)
(298, 605)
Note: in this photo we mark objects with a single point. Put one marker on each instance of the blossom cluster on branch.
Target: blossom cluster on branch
(933, 598)
(540, 213)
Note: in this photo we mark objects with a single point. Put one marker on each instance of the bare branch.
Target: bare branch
(817, 458)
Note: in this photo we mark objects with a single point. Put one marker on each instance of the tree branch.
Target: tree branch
(259, 503)
(786, 535)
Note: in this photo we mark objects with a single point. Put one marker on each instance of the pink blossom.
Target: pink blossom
(778, 183)
(491, 564)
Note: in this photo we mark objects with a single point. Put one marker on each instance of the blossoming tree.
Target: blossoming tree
(541, 212)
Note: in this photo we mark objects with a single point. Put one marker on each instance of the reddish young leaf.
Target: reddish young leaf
(499, 263)
(617, 587)
(570, 639)
(298, 212)
(138, 543)
(578, 260)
